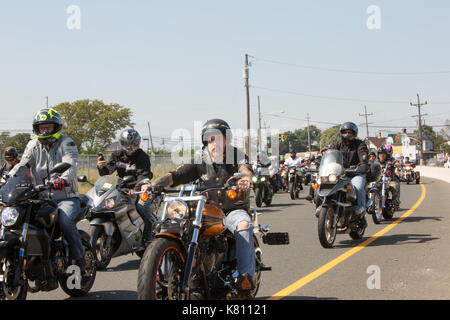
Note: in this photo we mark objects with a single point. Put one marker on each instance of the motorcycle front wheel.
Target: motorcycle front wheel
(377, 213)
(7, 270)
(103, 253)
(327, 234)
(292, 190)
(258, 197)
(161, 271)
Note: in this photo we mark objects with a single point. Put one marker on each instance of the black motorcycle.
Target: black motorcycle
(337, 200)
(32, 246)
(380, 200)
(262, 188)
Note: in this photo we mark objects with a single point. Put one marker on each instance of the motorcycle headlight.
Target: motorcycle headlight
(177, 209)
(319, 181)
(263, 179)
(109, 203)
(332, 178)
(10, 216)
(254, 179)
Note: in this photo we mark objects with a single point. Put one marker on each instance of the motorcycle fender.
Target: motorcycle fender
(340, 185)
(107, 224)
(169, 235)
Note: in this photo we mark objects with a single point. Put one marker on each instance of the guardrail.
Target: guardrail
(435, 172)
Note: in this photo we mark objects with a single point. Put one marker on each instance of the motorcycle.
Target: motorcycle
(192, 255)
(337, 200)
(262, 188)
(116, 228)
(32, 246)
(409, 175)
(381, 203)
(294, 182)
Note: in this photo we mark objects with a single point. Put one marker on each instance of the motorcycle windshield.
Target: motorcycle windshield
(102, 189)
(332, 163)
(16, 189)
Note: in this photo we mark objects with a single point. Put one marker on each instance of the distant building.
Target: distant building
(374, 143)
(115, 145)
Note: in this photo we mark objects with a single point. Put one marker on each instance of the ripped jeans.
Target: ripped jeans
(245, 247)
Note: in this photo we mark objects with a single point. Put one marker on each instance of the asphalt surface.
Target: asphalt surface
(409, 261)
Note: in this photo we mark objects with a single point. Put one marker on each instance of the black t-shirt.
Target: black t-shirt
(212, 174)
(119, 160)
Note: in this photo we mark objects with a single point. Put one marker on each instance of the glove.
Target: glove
(59, 184)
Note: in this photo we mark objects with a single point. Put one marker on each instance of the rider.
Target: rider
(131, 160)
(372, 157)
(12, 158)
(214, 165)
(386, 162)
(355, 153)
(49, 148)
(294, 161)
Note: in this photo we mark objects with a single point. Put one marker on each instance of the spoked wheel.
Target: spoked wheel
(292, 190)
(161, 271)
(9, 292)
(258, 258)
(327, 233)
(377, 213)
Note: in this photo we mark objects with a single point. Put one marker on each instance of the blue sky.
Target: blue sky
(175, 62)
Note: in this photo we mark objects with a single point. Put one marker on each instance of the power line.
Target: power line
(326, 69)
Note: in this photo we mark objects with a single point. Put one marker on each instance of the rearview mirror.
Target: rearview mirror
(60, 168)
(82, 179)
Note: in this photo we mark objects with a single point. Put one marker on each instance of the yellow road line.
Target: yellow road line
(317, 273)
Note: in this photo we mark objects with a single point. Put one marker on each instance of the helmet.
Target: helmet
(10, 153)
(349, 126)
(215, 126)
(46, 116)
(130, 141)
(292, 151)
(372, 154)
(387, 148)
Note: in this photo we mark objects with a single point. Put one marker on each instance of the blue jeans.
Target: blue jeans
(245, 247)
(69, 211)
(359, 183)
(145, 210)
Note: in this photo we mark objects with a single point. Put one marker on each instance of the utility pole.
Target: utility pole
(246, 75)
(46, 101)
(309, 136)
(150, 136)
(365, 114)
(418, 105)
(259, 127)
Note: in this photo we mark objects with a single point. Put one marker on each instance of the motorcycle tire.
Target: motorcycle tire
(387, 213)
(258, 197)
(6, 293)
(358, 233)
(377, 214)
(86, 284)
(327, 234)
(292, 190)
(153, 285)
(102, 255)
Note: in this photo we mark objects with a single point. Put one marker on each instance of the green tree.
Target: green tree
(18, 141)
(298, 139)
(93, 124)
(330, 135)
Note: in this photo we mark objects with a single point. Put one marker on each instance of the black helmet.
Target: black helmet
(130, 141)
(10, 153)
(349, 126)
(45, 116)
(372, 154)
(215, 126)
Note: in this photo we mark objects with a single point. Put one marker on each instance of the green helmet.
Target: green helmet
(45, 116)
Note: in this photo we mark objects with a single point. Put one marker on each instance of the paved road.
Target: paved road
(411, 259)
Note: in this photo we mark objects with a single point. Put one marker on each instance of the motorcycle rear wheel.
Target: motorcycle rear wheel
(161, 271)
